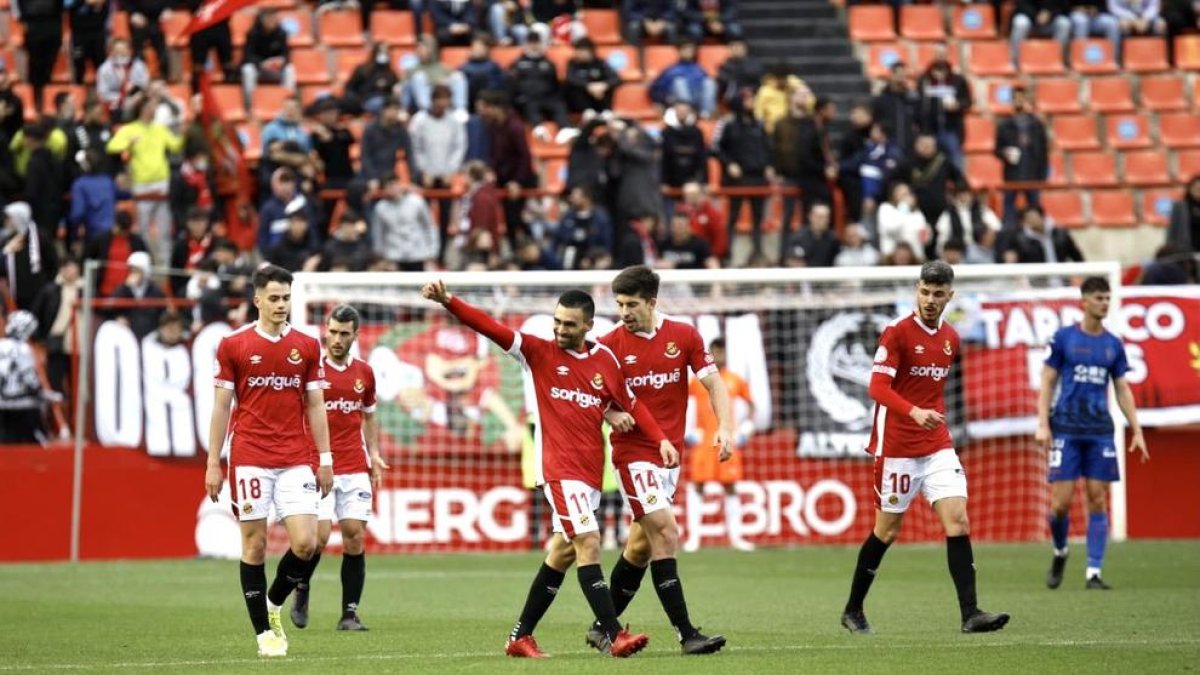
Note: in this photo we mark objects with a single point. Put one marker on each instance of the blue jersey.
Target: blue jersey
(1085, 363)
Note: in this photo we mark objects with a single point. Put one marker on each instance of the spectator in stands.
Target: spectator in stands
(148, 145)
(286, 199)
(945, 101)
(1170, 267)
(439, 141)
(1088, 17)
(741, 146)
(480, 70)
(954, 252)
(286, 128)
(779, 93)
(192, 246)
(684, 152)
(43, 41)
(92, 132)
(89, 31)
(509, 158)
(332, 142)
(27, 255)
(902, 255)
(143, 318)
(403, 230)
(120, 76)
(716, 19)
(866, 173)
(637, 180)
(93, 200)
(683, 250)
(22, 150)
(371, 82)
(686, 81)
(479, 222)
(265, 55)
(817, 239)
(453, 21)
(981, 247)
(145, 25)
(895, 107)
(1039, 241)
(12, 109)
(428, 71)
(930, 173)
(537, 92)
(383, 142)
(1040, 19)
(584, 227)
(854, 141)
(964, 219)
(1183, 229)
(22, 396)
(506, 21)
(214, 38)
(1137, 17)
(190, 185)
(1181, 16)
(590, 81)
(803, 158)
(706, 218)
(65, 113)
(899, 220)
(1022, 145)
(45, 175)
(112, 248)
(652, 20)
(348, 245)
(739, 71)
(856, 250)
(168, 111)
(591, 160)
(55, 310)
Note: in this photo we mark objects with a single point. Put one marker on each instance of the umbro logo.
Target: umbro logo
(630, 359)
(920, 349)
(562, 370)
(255, 359)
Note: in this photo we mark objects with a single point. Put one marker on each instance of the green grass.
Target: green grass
(779, 608)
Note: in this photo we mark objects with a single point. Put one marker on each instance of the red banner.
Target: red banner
(233, 179)
(213, 12)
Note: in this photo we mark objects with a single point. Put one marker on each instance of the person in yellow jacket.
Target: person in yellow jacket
(773, 99)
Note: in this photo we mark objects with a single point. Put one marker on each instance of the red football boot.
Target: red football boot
(627, 644)
(525, 647)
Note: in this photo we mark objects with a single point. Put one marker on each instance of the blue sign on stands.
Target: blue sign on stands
(618, 60)
(1093, 54)
(290, 25)
(1127, 129)
(972, 19)
(889, 57)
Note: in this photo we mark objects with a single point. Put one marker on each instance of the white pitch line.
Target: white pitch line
(858, 643)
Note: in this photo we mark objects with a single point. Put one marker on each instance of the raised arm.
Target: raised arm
(472, 316)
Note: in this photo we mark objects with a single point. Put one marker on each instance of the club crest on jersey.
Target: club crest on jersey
(630, 359)
(584, 519)
(598, 381)
(919, 349)
(947, 348)
(247, 507)
(563, 370)
(359, 386)
(672, 351)
(893, 500)
(652, 500)
(294, 357)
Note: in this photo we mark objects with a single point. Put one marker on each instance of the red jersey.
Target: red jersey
(350, 394)
(269, 377)
(911, 367)
(655, 366)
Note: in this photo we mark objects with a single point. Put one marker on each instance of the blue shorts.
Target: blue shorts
(1092, 457)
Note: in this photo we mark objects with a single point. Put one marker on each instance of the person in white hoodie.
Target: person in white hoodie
(403, 231)
(964, 219)
(439, 142)
(899, 220)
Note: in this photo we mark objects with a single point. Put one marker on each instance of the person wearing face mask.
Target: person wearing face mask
(371, 82)
(119, 76)
(900, 222)
(1022, 145)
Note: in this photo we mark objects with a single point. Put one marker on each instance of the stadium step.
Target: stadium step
(750, 10)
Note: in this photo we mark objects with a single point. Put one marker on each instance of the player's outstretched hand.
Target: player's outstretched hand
(1138, 444)
(212, 482)
(1042, 437)
(378, 466)
(670, 456)
(619, 420)
(436, 291)
(927, 419)
(723, 442)
(325, 480)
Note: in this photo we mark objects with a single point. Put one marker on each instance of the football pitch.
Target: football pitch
(779, 609)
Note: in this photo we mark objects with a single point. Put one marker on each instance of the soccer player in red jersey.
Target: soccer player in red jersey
(357, 466)
(913, 449)
(574, 381)
(275, 374)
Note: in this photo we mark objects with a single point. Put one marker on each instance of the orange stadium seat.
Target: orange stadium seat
(1179, 130)
(172, 27)
(711, 57)
(1094, 168)
(999, 96)
(546, 149)
(1065, 207)
(1093, 57)
(1187, 164)
(1145, 55)
(990, 58)
(1075, 132)
(869, 23)
(1156, 205)
(239, 25)
(1041, 57)
(657, 58)
(120, 25)
(16, 32)
(984, 171)
(928, 51)
(974, 22)
(299, 26)
(505, 56)
(1127, 131)
(233, 105)
(624, 60)
(251, 137)
(881, 56)
(1110, 94)
(267, 100)
(559, 55)
(707, 128)
(340, 28)
(393, 27)
(633, 100)
(345, 61)
(922, 22)
(554, 175)
(1146, 167)
(1113, 208)
(1187, 52)
(310, 94)
(1057, 95)
(980, 134)
(453, 57)
(1164, 93)
(603, 26)
(25, 92)
(312, 66)
(1058, 170)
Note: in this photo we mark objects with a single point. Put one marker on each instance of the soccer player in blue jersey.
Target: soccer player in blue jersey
(1077, 429)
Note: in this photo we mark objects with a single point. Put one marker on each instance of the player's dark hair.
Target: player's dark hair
(937, 273)
(268, 273)
(717, 343)
(574, 299)
(638, 280)
(1094, 285)
(344, 313)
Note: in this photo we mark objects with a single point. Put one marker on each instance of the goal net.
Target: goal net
(454, 428)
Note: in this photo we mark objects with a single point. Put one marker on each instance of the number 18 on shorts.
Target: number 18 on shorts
(899, 479)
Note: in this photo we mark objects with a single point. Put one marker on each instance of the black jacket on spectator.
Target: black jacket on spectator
(588, 164)
(15, 119)
(369, 79)
(291, 254)
(335, 155)
(262, 44)
(736, 74)
(356, 254)
(639, 183)
(532, 79)
(929, 180)
(797, 148)
(580, 75)
(380, 144)
(545, 10)
(819, 250)
(897, 113)
(151, 9)
(43, 183)
(19, 266)
(742, 140)
(932, 115)
(511, 159)
(684, 155)
(142, 320)
(1030, 8)
(1030, 250)
(444, 13)
(181, 250)
(1026, 132)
